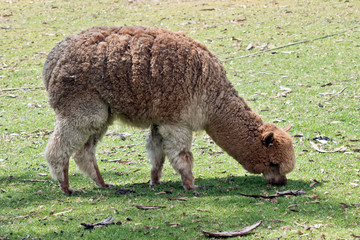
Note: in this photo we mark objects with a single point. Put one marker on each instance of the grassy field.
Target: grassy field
(312, 84)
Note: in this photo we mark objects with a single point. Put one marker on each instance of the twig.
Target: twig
(149, 207)
(29, 215)
(20, 89)
(339, 149)
(104, 222)
(308, 227)
(240, 232)
(334, 94)
(279, 194)
(111, 160)
(59, 213)
(36, 180)
(290, 44)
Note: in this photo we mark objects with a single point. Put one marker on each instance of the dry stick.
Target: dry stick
(18, 89)
(334, 94)
(149, 207)
(291, 44)
(237, 233)
(279, 194)
(102, 223)
(36, 180)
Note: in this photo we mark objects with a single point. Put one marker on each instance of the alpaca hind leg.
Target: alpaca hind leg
(75, 122)
(86, 160)
(156, 154)
(62, 143)
(176, 144)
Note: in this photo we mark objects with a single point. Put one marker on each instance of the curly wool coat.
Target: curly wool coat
(152, 77)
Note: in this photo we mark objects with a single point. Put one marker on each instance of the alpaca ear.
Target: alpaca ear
(268, 139)
(288, 128)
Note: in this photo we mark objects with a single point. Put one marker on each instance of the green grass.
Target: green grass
(34, 210)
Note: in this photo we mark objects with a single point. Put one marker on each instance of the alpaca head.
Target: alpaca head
(280, 154)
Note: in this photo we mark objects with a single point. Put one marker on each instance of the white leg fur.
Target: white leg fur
(62, 143)
(176, 144)
(154, 146)
(73, 127)
(86, 160)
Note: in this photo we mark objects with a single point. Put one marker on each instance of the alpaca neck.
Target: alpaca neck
(235, 128)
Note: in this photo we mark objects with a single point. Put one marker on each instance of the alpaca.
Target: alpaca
(157, 79)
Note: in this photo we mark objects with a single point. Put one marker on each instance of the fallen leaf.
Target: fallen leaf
(29, 215)
(149, 207)
(238, 20)
(102, 223)
(279, 194)
(314, 182)
(163, 192)
(216, 153)
(334, 93)
(199, 210)
(336, 122)
(327, 84)
(179, 198)
(240, 232)
(339, 149)
(34, 105)
(118, 161)
(59, 213)
(6, 15)
(249, 47)
(353, 140)
(285, 91)
(309, 227)
(207, 9)
(174, 225)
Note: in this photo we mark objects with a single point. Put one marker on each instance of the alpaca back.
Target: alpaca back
(144, 74)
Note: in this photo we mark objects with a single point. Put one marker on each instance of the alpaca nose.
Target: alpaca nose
(278, 180)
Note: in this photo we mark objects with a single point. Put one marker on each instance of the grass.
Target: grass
(329, 209)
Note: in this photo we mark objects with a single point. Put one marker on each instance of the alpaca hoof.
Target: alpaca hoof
(190, 187)
(154, 183)
(105, 186)
(108, 185)
(68, 191)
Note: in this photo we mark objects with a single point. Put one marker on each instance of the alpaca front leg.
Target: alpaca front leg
(183, 164)
(176, 144)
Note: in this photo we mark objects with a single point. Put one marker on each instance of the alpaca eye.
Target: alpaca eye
(274, 164)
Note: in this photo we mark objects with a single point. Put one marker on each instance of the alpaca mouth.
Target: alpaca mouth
(274, 177)
(278, 180)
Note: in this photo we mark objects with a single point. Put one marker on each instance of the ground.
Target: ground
(294, 62)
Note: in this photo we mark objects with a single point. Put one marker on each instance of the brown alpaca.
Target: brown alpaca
(155, 78)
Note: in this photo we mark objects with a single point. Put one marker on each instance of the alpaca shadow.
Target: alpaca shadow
(233, 185)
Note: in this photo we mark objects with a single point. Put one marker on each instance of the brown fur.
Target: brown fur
(152, 77)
